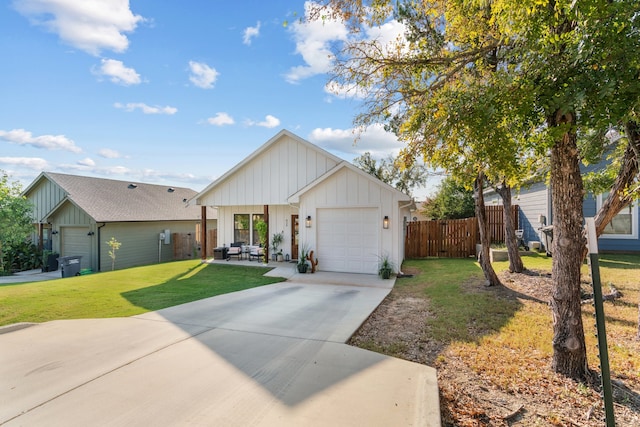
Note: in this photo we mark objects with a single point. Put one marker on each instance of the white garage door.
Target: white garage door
(75, 241)
(348, 240)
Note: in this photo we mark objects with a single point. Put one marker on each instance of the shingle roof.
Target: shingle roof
(107, 200)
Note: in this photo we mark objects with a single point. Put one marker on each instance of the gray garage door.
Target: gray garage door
(348, 240)
(76, 242)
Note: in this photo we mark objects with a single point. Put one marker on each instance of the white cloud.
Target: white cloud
(47, 142)
(108, 153)
(86, 162)
(373, 139)
(250, 33)
(89, 25)
(115, 170)
(154, 175)
(118, 73)
(268, 122)
(389, 37)
(314, 39)
(202, 75)
(221, 119)
(27, 162)
(146, 109)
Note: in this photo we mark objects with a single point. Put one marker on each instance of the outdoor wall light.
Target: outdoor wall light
(308, 221)
(54, 232)
(91, 233)
(385, 222)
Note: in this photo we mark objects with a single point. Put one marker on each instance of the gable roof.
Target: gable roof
(108, 200)
(295, 198)
(258, 152)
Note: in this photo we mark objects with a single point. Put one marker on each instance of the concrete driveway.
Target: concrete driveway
(268, 356)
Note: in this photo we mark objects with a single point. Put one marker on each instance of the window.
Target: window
(256, 237)
(241, 228)
(622, 226)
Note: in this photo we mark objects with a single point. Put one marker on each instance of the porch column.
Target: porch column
(40, 239)
(266, 219)
(203, 232)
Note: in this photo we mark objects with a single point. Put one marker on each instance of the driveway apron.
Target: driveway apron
(268, 356)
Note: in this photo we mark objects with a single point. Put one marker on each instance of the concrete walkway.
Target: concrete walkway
(268, 356)
(31, 276)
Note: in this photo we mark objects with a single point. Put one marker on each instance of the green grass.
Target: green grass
(462, 307)
(472, 317)
(124, 292)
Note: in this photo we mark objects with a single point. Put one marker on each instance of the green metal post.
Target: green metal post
(594, 263)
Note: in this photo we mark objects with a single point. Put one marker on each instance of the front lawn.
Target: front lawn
(124, 292)
(492, 347)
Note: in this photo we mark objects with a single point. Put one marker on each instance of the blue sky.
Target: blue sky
(170, 92)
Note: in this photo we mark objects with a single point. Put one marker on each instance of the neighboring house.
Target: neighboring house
(77, 215)
(349, 218)
(418, 214)
(621, 235)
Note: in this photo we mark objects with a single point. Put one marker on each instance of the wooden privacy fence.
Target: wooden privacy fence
(188, 245)
(454, 238)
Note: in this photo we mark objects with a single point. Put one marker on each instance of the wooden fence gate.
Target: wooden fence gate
(188, 246)
(454, 238)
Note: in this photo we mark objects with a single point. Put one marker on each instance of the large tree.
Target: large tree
(394, 172)
(15, 217)
(486, 87)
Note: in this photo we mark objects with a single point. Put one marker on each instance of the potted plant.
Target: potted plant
(385, 267)
(276, 241)
(302, 259)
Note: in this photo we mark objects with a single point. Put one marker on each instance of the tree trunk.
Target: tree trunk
(485, 241)
(515, 261)
(569, 349)
(627, 176)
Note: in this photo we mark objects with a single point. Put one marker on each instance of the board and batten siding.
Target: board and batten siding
(140, 242)
(70, 215)
(66, 217)
(347, 189)
(271, 177)
(43, 198)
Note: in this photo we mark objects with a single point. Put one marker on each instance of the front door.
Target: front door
(294, 236)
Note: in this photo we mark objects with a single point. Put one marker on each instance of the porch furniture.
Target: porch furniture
(255, 252)
(220, 253)
(235, 250)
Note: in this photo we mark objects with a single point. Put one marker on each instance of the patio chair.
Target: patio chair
(235, 250)
(256, 252)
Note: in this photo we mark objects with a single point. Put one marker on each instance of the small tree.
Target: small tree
(262, 228)
(114, 245)
(452, 201)
(15, 218)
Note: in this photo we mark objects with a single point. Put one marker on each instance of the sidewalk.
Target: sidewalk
(31, 276)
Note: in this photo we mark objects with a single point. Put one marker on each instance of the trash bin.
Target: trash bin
(220, 253)
(70, 265)
(52, 262)
(547, 234)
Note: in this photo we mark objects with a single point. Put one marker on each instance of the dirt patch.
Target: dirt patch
(468, 398)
